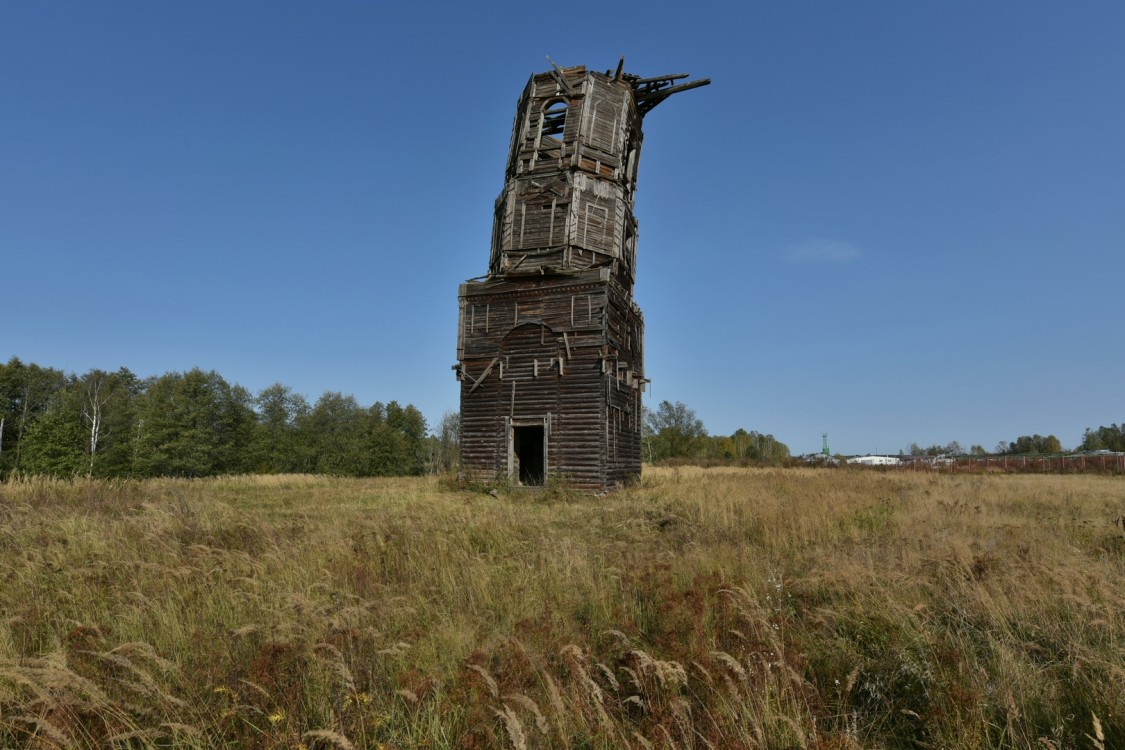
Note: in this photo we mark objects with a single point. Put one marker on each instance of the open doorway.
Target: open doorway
(528, 447)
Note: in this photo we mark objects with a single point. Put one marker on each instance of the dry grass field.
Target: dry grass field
(719, 608)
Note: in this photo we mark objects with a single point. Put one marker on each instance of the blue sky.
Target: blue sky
(891, 222)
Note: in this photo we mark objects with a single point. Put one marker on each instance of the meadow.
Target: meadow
(701, 608)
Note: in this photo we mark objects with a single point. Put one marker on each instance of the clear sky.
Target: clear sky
(893, 222)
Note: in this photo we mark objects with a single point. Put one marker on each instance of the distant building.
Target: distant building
(875, 460)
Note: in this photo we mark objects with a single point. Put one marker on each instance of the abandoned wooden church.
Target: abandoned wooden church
(550, 341)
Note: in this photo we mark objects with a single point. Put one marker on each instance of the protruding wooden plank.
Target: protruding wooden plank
(560, 76)
(478, 381)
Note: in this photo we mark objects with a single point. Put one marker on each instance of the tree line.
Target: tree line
(1104, 438)
(196, 424)
(1024, 444)
(1110, 438)
(673, 432)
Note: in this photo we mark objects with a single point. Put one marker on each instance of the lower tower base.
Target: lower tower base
(551, 379)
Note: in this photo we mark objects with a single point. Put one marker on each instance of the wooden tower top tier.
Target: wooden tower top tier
(567, 202)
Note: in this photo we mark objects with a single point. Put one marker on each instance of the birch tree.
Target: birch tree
(93, 409)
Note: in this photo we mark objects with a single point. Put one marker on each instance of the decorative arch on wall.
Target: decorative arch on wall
(529, 351)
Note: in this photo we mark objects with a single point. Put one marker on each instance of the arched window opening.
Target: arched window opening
(554, 119)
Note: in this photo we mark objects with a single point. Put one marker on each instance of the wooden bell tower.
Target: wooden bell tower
(550, 341)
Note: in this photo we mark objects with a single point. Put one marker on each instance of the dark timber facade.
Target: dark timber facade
(549, 346)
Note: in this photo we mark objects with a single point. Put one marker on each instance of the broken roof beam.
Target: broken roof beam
(647, 98)
(560, 77)
(673, 90)
(657, 79)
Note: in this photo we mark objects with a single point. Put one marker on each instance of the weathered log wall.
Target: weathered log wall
(550, 344)
(540, 348)
(567, 203)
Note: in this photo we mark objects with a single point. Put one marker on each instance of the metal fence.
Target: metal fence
(1108, 463)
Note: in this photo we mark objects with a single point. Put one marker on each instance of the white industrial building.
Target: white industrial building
(875, 460)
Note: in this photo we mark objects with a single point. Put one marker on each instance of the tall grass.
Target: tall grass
(719, 608)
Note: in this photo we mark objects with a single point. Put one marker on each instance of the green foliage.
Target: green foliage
(87, 427)
(54, 443)
(387, 441)
(342, 438)
(672, 431)
(333, 431)
(26, 392)
(193, 424)
(276, 447)
(397, 440)
(1110, 438)
(949, 449)
(744, 447)
(196, 424)
(113, 398)
(444, 446)
(1035, 444)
